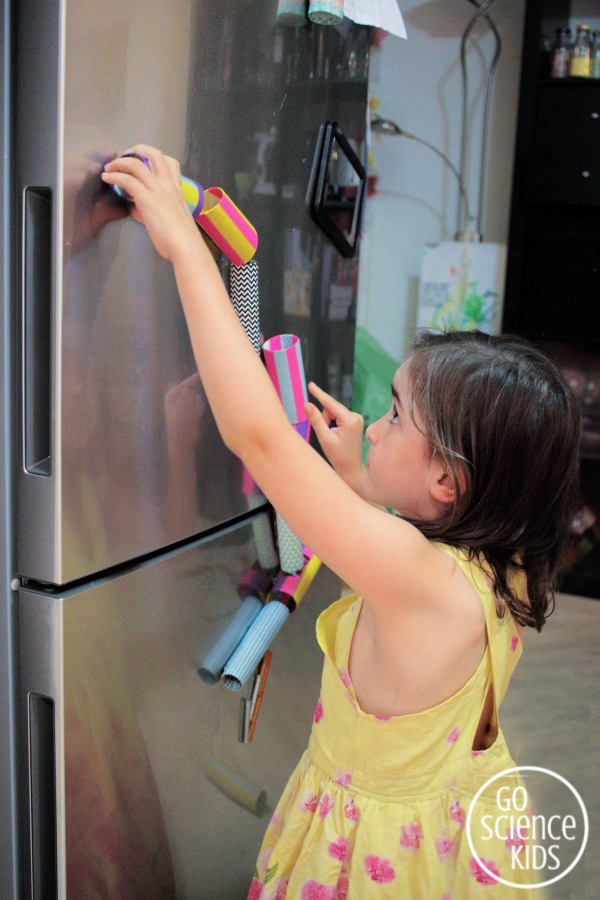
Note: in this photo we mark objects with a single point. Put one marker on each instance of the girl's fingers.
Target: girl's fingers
(160, 164)
(334, 408)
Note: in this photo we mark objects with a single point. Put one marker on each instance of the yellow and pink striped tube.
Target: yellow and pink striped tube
(228, 227)
(217, 215)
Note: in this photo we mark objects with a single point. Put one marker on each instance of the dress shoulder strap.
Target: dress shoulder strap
(503, 637)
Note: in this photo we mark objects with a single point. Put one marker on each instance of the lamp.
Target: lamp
(386, 126)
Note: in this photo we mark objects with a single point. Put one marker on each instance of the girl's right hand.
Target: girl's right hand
(159, 203)
(340, 434)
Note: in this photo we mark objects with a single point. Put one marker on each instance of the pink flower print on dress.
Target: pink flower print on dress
(343, 778)
(444, 846)
(314, 890)
(517, 838)
(326, 805)
(480, 875)
(340, 849)
(341, 888)
(345, 676)
(412, 836)
(309, 802)
(476, 752)
(514, 642)
(457, 814)
(379, 870)
(453, 736)
(318, 713)
(282, 886)
(447, 896)
(255, 889)
(275, 820)
(351, 811)
(383, 718)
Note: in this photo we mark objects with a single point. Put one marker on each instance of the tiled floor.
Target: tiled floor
(551, 718)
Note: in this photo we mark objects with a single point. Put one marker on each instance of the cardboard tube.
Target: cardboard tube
(326, 12)
(254, 645)
(217, 215)
(283, 359)
(291, 557)
(211, 667)
(244, 293)
(291, 12)
(228, 227)
(236, 786)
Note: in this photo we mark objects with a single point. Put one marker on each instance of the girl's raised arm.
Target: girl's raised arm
(380, 556)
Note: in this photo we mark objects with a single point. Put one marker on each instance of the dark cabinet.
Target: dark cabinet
(552, 293)
(565, 162)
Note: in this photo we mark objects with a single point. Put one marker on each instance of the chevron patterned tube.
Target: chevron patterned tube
(244, 293)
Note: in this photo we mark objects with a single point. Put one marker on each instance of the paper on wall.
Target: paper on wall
(381, 13)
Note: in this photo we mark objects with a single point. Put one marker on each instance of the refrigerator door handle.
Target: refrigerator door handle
(37, 329)
(42, 797)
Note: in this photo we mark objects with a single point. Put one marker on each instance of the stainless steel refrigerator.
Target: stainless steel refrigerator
(125, 528)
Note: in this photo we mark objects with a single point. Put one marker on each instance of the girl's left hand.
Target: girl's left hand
(158, 198)
(340, 434)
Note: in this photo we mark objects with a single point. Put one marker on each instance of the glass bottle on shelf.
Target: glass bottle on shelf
(561, 54)
(595, 64)
(581, 55)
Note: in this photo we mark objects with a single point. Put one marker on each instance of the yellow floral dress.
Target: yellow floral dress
(377, 806)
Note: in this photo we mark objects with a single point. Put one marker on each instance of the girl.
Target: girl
(478, 458)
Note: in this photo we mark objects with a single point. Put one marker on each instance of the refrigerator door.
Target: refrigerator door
(135, 772)
(118, 452)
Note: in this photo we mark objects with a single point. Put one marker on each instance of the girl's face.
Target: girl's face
(400, 469)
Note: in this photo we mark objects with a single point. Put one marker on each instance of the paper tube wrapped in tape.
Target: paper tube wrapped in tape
(217, 215)
(228, 227)
(326, 12)
(283, 359)
(244, 293)
(237, 786)
(291, 12)
(252, 589)
(288, 591)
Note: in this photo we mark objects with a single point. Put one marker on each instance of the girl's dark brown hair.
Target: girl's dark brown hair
(507, 426)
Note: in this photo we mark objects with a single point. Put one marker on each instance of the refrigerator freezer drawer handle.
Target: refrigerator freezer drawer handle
(36, 329)
(42, 796)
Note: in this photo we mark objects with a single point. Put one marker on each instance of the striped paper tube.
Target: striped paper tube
(283, 359)
(326, 12)
(253, 645)
(244, 293)
(290, 589)
(252, 589)
(287, 593)
(211, 667)
(228, 227)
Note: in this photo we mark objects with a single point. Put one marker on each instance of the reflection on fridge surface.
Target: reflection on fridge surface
(132, 525)
(161, 799)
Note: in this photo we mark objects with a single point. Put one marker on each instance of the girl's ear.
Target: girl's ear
(444, 487)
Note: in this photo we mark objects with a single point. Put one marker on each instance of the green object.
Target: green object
(374, 370)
